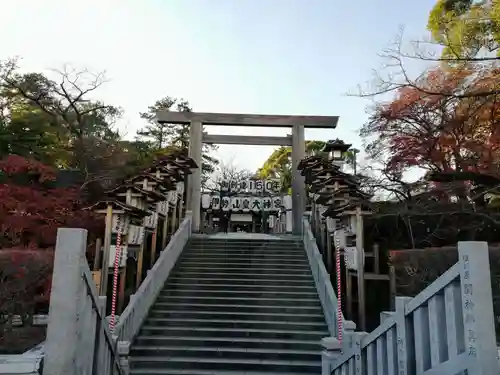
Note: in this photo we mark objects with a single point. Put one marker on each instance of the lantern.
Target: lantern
(226, 203)
(215, 202)
(205, 201)
(235, 204)
(256, 204)
(276, 203)
(246, 204)
(267, 204)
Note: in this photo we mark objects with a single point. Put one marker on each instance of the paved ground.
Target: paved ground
(246, 236)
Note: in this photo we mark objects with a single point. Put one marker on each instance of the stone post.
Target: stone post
(298, 185)
(62, 351)
(195, 146)
(477, 307)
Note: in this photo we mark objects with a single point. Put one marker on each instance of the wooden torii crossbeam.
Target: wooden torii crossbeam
(196, 120)
(231, 119)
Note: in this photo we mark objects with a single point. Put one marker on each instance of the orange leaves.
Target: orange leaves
(15, 164)
(30, 213)
(439, 132)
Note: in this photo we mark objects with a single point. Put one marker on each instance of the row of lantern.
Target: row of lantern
(251, 186)
(337, 198)
(136, 205)
(246, 203)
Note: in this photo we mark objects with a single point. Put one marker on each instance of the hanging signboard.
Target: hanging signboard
(251, 186)
(351, 258)
(242, 203)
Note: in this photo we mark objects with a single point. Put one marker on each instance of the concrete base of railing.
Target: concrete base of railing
(123, 350)
(332, 349)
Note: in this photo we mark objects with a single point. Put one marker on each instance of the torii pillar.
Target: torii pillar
(298, 183)
(194, 184)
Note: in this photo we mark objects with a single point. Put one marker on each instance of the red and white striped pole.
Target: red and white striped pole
(340, 323)
(118, 251)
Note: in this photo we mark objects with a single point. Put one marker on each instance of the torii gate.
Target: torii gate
(296, 140)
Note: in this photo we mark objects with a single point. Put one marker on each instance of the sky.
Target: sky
(290, 57)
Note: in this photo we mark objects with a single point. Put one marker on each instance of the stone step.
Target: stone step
(185, 363)
(187, 292)
(237, 300)
(213, 240)
(203, 372)
(234, 307)
(243, 263)
(244, 272)
(228, 315)
(244, 247)
(222, 352)
(228, 342)
(235, 332)
(246, 267)
(265, 257)
(299, 309)
(250, 282)
(237, 323)
(183, 284)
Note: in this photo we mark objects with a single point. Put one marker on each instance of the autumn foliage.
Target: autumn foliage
(32, 207)
(439, 132)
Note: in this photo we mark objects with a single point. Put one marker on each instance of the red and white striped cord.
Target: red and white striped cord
(340, 324)
(118, 253)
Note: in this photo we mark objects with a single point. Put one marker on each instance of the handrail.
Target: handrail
(78, 338)
(100, 318)
(448, 328)
(322, 280)
(136, 311)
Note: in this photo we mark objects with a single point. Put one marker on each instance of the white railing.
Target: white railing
(136, 311)
(322, 281)
(447, 329)
(78, 337)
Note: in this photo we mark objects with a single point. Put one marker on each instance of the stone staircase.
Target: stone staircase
(234, 306)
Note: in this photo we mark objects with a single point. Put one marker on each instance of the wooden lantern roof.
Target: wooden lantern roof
(347, 209)
(324, 198)
(149, 195)
(331, 172)
(319, 184)
(171, 175)
(118, 208)
(166, 182)
(172, 169)
(318, 167)
(353, 191)
(306, 162)
(170, 163)
(186, 161)
(336, 144)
